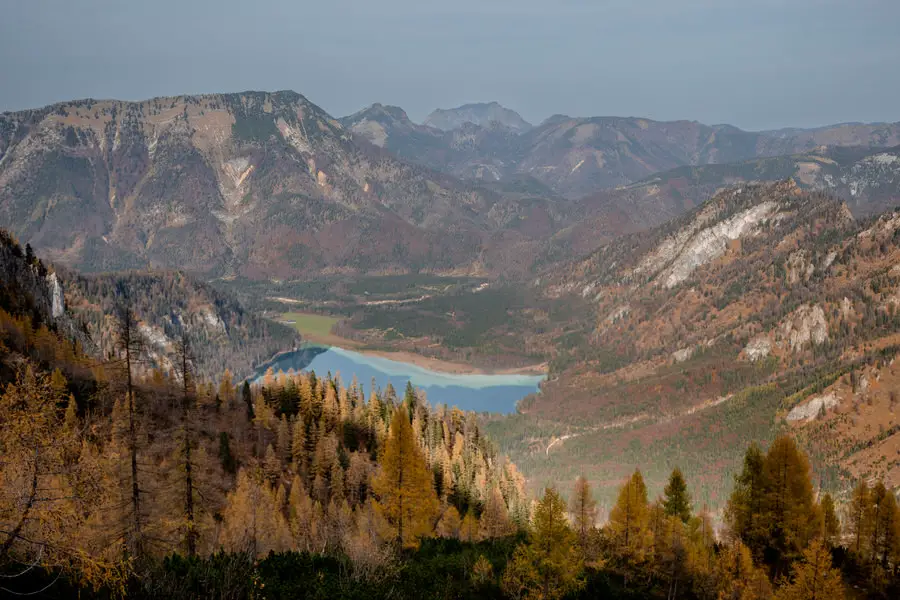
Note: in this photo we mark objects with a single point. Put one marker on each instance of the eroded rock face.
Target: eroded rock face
(846, 308)
(758, 348)
(697, 245)
(57, 299)
(709, 244)
(680, 356)
(619, 313)
(810, 410)
(799, 267)
(806, 325)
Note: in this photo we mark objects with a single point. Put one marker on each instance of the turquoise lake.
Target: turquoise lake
(481, 393)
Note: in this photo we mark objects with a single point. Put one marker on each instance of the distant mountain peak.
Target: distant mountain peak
(379, 111)
(557, 118)
(478, 113)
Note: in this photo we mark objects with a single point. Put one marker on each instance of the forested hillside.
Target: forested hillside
(117, 481)
(708, 332)
(224, 334)
(97, 449)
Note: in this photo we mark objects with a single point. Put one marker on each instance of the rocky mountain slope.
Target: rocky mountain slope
(267, 185)
(253, 184)
(581, 156)
(576, 157)
(868, 180)
(710, 331)
(223, 334)
(30, 286)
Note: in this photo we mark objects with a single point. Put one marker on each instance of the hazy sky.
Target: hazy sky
(753, 63)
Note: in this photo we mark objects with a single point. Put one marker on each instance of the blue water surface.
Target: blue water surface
(481, 393)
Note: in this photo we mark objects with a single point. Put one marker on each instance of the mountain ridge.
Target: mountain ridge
(197, 182)
(578, 156)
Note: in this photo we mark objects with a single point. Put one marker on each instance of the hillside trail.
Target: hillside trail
(624, 422)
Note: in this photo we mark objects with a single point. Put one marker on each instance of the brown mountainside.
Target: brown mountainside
(255, 184)
(708, 332)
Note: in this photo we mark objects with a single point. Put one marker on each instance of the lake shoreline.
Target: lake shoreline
(438, 365)
(448, 367)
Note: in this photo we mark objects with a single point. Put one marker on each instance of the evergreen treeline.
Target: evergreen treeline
(108, 466)
(225, 335)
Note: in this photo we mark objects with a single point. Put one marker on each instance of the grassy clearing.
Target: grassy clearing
(315, 328)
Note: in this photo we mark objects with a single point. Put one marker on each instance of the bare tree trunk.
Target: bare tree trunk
(132, 439)
(129, 343)
(186, 380)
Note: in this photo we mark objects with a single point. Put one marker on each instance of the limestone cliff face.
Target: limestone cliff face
(695, 249)
(29, 286)
(58, 301)
(806, 325)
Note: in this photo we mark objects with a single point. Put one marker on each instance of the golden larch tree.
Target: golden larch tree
(549, 565)
(814, 578)
(404, 486)
(495, 521)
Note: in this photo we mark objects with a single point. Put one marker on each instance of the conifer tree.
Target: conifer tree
(677, 501)
(271, 465)
(858, 517)
(789, 500)
(298, 444)
(885, 526)
(737, 577)
(744, 511)
(247, 396)
(300, 514)
(226, 388)
(406, 497)
(495, 521)
(548, 566)
(814, 578)
(252, 519)
(468, 529)
(450, 524)
(628, 523)
(629, 517)
(283, 440)
(185, 368)
(130, 345)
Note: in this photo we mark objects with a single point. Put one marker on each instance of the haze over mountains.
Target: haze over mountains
(264, 184)
(578, 156)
